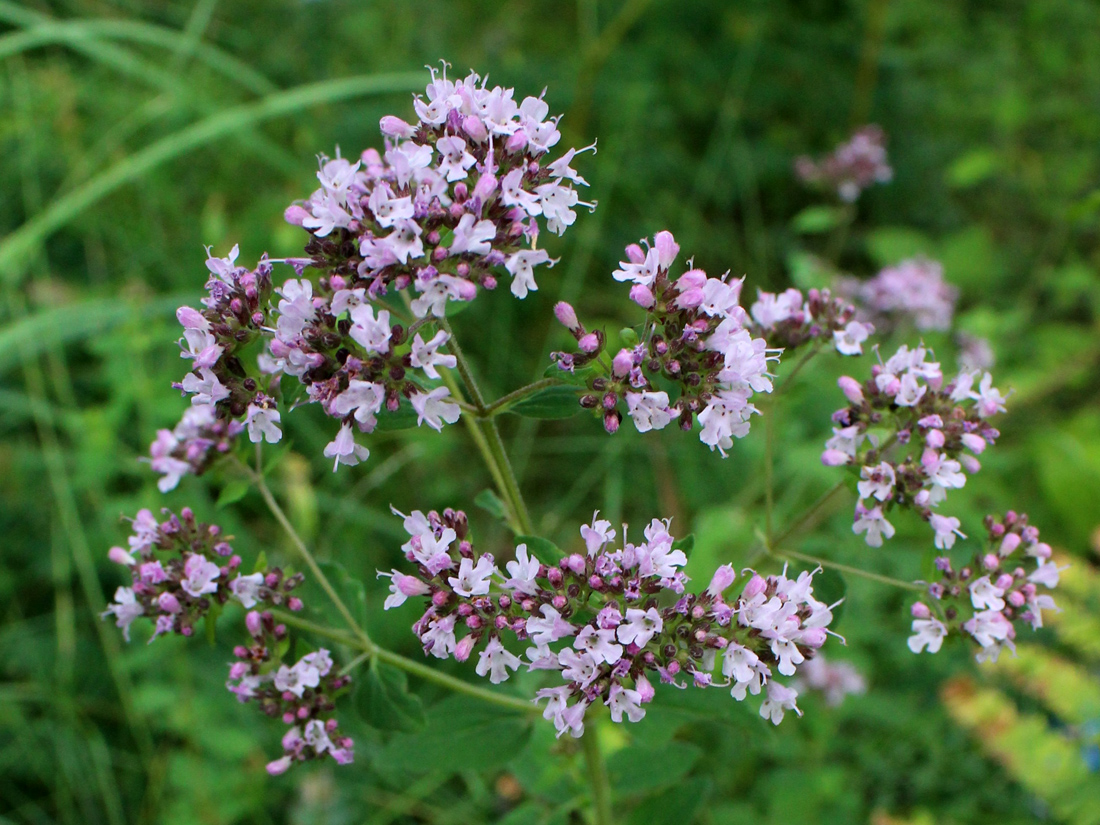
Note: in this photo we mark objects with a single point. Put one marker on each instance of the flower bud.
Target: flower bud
(576, 563)
(667, 248)
(120, 556)
(474, 126)
(279, 766)
(722, 579)
(589, 343)
(1041, 551)
(486, 186)
(973, 442)
(565, 313)
(991, 561)
(920, 611)
(168, 603)
(635, 254)
(969, 463)
(756, 585)
(814, 637)
(834, 458)
(255, 624)
(622, 363)
(464, 648)
(395, 127)
(642, 295)
(690, 298)
(1016, 598)
(1004, 581)
(851, 389)
(515, 143)
(935, 439)
(295, 215)
(644, 688)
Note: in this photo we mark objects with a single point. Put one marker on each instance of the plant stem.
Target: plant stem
(488, 440)
(303, 551)
(844, 568)
(805, 359)
(806, 516)
(457, 685)
(341, 636)
(769, 461)
(597, 775)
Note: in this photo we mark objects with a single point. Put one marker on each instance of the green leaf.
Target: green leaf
(552, 402)
(545, 550)
(232, 492)
(579, 376)
(687, 544)
(404, 419)
(817, 219)
(261, 563)
(973, 168)
(490, 502)
(628, 336)
(461, 734)
(211, 621)
(384, 702)
(892, 244)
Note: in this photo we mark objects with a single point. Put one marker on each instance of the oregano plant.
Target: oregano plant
(395, 242)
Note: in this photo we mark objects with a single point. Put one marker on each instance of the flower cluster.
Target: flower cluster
(191, 446)
(180, 569)
(455, 196)
(608, 620)
(985, 600)
(177, 580)
(695, 337)
(913, 291)
(906, 399)
(302, 694)
(237, 309)
(852, 167)
(787, 321)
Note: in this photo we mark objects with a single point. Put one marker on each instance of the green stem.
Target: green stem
(844, 568)
(303, 551)
(805, 359)
(450, 682)
(597, 776)
(769, 462)
(488, 440)
(810, 512)
(341, 636)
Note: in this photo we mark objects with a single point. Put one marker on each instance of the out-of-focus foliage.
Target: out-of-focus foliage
(133, 133)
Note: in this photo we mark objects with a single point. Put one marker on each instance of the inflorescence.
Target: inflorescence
(987, 599)
(609, 620)
(183, 571)
(912, 436)
(852, 166)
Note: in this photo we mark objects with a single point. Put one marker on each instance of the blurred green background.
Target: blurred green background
(134, 133)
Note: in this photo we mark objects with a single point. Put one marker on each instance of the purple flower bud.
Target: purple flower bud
(554, 576)
(589, 343)
(635, 254)
(756, 585)
(622, 363)
(1042, 551)
(464, 647)
(935, 439)
(851, 389)
(279, 766)
(644, 688)
(576, 563)
(567, 316)
(920, 611)
(295, 215)
(642, 295)
(486, 186)
(1004, 581)
(834, 458)
(692, 279)
(667, 248)
(559, 602)
(935, 590)
(238, 670)
(474, 126)
(395, 127)
(515, 142)
(169, 603)
(255, 623)
(690, 299)
(722, 579)
(1016, 598)
(191, 318)
(119, 556)
(990, 561)
(611, 422)
(969, 463)
(973, 442)
(814, 637)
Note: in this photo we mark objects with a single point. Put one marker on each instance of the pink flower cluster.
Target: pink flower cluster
(192, 445)
(787, 321)
(696, 336)
(180, 569)
(237, 311)
(906, 405)
(455, 196)
(913, 291)
(987, 599)
(852, 167)
(302, 694)
(608, 619)
(833, 680)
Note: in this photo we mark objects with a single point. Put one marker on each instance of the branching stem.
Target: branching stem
(597, 776)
